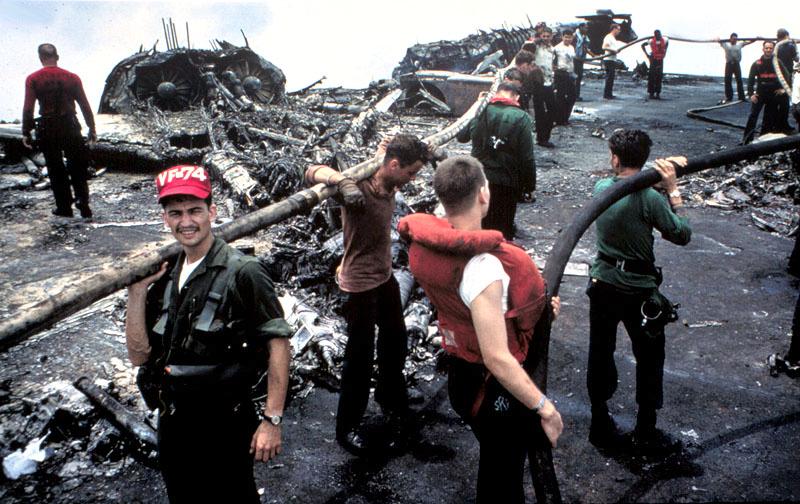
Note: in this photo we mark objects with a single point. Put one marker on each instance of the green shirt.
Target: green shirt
(502, 140)
(625, 231)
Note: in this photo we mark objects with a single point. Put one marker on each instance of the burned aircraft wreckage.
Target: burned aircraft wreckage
(229, 110)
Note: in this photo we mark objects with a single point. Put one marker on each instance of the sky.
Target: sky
(351, 42)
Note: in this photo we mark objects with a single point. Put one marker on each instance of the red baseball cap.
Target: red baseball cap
(187, 180)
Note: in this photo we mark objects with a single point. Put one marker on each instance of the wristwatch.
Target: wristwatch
(675, 194)
(273, 419)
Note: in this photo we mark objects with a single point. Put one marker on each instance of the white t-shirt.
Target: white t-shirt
(611, 42)
(480, 272)
(564, 56)
(796, 84)
(543, 57)
(187, 270)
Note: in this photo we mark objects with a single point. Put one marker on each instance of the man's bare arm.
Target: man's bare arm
(266, 442)
(135, 326)
(490, 327)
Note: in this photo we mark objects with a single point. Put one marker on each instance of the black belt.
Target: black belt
(629, 265)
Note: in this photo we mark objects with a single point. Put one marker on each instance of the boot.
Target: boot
(649, 440)
(604, 432)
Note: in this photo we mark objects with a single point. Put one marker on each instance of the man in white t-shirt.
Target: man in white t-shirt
(611, 46)
(489, 296)
(564, 77)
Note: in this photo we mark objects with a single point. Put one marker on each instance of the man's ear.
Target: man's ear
(212, 212)
(483, 194)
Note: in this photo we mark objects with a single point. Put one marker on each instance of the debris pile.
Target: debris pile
(766, 187)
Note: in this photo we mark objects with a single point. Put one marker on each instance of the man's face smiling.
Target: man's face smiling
(190, 219)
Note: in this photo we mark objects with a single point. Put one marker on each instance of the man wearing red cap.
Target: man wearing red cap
(201, 334)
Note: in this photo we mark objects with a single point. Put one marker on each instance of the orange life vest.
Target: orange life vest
(438, 255)
(658, 48)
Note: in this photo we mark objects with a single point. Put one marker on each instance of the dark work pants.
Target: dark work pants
(783, 104)
(768, 125)
(564, 96)
(609, 306)
(794, 348)
(507, 431)
(60, 137)
(502, 209)
(611, 72)
(732, 68)
(362, 312)
(654, 77)
(796, 114)
(203, 452)
(578, 65)
(544, 105)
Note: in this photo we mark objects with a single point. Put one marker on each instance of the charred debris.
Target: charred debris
(228, 109)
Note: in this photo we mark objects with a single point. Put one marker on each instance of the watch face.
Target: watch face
(275, 420)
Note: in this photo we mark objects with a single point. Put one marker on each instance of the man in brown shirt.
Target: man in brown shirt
(372, 293)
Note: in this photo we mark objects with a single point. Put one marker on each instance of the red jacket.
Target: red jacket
(437, 257)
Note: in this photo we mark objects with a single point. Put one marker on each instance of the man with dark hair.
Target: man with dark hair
(489, 295)
(658, 51)
(502, 140)
(202, 334)
(544, 101)
(765, 92)
(372, 293)
(733, 57)
(523, 62)
(624, 277)
(787, 56)
(58, 130)
(564, 78)
(582, 43)
(514, 76)
(611, 46)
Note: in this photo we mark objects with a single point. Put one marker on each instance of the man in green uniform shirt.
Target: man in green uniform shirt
(623, 277)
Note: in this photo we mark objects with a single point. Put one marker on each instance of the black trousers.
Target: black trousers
(203, 451)
(564, 95)
(502, 209)
(769, 103)
(611, 72)
(362, 312)
(60, 137)
(654, 77)
(732, 68)
(507, 431)
(608, 306)
(544, 106)
(578, 65)
(782, 113)
(794, 348)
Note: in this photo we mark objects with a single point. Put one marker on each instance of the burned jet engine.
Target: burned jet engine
(176, 79)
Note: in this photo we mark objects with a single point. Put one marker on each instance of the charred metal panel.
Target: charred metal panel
(462, 55)
(599, 24)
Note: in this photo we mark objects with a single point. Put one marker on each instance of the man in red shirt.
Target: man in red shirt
(58, 130)
(658, 50)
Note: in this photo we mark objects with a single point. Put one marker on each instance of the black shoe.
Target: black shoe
(86, 212)
(548, 144)
(62, 213)
(605, 434)
(652, 96)
(610, 97)
(397, 432)
(352, 442)
(655, 442)
(578, 99)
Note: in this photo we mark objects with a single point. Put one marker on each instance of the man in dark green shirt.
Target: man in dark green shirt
(202, 333)
(623, 276)
(502, 140)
